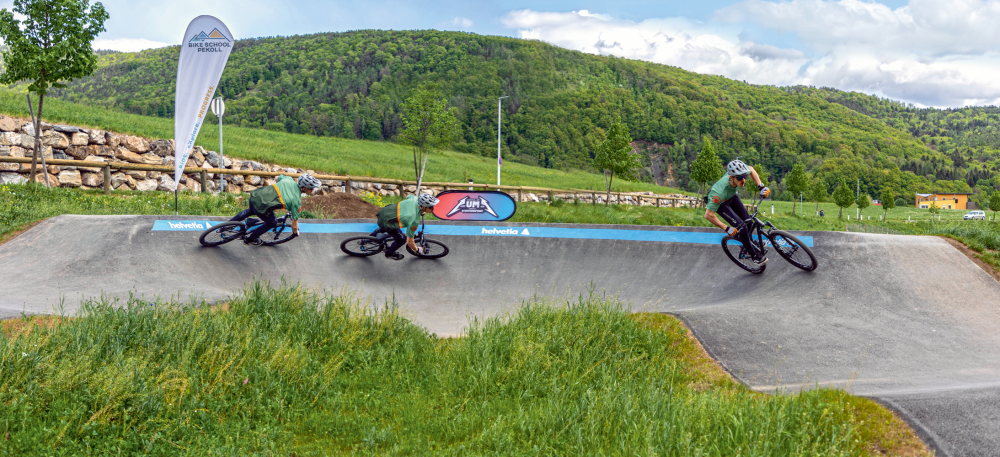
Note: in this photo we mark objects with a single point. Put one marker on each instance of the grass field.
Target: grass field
(289, 371)
(323, 154)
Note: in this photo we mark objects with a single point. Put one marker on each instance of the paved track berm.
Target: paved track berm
(907, 320)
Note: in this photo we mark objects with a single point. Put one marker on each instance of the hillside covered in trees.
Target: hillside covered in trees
(352, 85)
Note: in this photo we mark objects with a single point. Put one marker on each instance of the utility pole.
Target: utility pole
(857, 195)
(499, 159)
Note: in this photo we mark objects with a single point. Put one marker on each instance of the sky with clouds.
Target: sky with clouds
(942, 53)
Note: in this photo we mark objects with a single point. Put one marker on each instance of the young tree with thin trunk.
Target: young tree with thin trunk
(428, 124)
(863, 201)
(843, 197)
(615, 157)
(706, 167)
(888, 202)
(51, 45)
(797, 183)
(817, 193)
(995, 204)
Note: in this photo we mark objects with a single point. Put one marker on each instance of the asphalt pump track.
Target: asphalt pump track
(907, 320)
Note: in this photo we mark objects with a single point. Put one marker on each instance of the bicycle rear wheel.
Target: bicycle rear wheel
(277, 235)
(362, 246)
(740, 255)
(222, 233)
(793, 250)
(432, 250)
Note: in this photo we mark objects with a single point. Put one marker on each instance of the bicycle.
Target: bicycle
(229, 231)
(762, 235)
(364, 246)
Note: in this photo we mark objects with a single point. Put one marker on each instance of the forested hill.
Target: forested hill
(353, 84)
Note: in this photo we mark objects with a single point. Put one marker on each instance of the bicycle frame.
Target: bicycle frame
(253, 222)
(763, 228)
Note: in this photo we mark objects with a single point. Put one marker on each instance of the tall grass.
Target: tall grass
(324, 154)
(287, 370)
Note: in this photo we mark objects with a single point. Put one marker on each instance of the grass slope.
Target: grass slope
(289, 371)
(323, 154)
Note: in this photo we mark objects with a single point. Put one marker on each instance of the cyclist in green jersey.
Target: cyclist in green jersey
(285, 193)
(724, 201)
(393, 218)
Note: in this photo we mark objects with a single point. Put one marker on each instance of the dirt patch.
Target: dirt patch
(340, 205)
(974, 256)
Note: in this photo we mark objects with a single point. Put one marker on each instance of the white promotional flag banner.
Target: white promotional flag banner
(205, 49)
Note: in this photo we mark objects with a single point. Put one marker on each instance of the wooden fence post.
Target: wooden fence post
(204, 180)
(107, 178)
(520, 196)
(550, 196)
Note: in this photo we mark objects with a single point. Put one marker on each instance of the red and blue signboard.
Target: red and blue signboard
(460, 205)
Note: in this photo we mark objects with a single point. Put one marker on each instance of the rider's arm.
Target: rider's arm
(714, 219)
(409, 238)
(756, 178)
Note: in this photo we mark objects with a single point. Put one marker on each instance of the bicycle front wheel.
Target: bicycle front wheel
(362, 246)
(432, 250)
(793, 250)
(277, 235)
(222, 234)
(740, 255)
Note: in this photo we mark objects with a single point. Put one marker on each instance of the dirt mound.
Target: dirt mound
(339, 206)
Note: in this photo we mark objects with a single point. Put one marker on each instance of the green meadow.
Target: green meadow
(290, 371)
(323, 154)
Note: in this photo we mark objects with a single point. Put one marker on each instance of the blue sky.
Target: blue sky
(941, 53)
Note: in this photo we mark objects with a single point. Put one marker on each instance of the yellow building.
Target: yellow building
(943, 201)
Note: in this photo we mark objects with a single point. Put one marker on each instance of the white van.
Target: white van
(971, 215)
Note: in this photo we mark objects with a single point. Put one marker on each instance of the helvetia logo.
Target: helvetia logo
(504, 231)
(186, 225)
(209, 42)
(469, 205)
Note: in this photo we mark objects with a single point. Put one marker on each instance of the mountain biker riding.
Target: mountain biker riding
(392, 218)
(285, 193)
(724, 201)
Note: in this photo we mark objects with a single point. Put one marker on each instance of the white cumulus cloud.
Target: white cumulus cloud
(928, 52)
(462, 22)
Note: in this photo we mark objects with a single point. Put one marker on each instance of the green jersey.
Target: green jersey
(403, 214)
(721, 192)
(284, 193)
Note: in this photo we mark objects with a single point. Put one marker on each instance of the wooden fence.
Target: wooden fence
(202, 174)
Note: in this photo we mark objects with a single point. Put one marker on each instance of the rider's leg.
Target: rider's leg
(270, 222)
(398, 240)
(735, 214)
(243, 215)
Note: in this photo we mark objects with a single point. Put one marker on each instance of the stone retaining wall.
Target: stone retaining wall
(17, 139)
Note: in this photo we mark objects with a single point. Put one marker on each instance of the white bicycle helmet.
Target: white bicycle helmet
(737, 168)
(427, 201)
(306, 181)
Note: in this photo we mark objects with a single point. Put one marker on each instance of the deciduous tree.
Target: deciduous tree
(863, 201)
(49, 46)
(614, 155)
(429, 124)
(843, 197)
(797, 183)
(888, 202)
(817, 193)
(706, 167)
